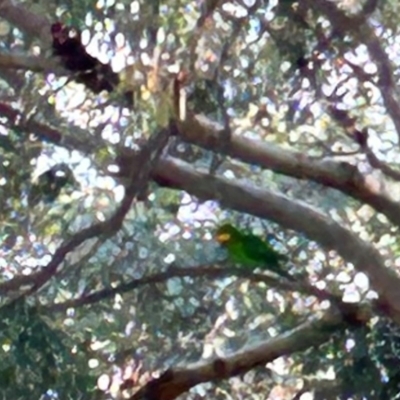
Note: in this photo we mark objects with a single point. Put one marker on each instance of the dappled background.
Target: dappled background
(288, 127)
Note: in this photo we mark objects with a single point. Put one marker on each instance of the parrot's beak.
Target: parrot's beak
(223, 237)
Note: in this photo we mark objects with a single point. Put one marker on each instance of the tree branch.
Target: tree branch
(352, 314)
(267, 204)
(280, 209)
(203, 132)
(201, 271)
(381, 165)
(207, 134)
(138, 177)
(32, 24)
(291, 215)
(175, 382)
(364, 33)
(80, 139)
(338, 175)
(32, 63)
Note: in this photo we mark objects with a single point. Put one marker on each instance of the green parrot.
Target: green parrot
(250, 251)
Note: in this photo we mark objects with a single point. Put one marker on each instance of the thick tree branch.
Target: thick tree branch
(32, 24)
(338, 175)
(175, 382)
(266, 204)
(207, 134)
(285, 212)
(292, 215)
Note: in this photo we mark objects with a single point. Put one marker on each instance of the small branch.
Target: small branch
(351, 313)
(202, 271)
(32, 63)
(80, 140)
(359, 28)
(382, 166)
(141, 169)
(361, 137)
(386, 82)
(139, 175)
(174, 382)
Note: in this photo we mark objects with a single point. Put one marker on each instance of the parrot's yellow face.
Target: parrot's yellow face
(223, 237)
(224, 234)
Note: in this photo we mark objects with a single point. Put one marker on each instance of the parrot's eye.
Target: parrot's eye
(223, 237)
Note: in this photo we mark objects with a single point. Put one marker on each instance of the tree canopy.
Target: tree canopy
(130, 131)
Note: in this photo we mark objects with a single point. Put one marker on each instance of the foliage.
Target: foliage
(110, 273)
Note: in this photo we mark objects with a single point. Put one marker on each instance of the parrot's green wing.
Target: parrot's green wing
(261, 250)
(265, 255)
(238, 254)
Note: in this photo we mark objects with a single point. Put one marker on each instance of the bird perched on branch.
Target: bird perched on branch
(250, 251)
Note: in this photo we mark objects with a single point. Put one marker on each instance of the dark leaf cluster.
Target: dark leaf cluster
(86, 69)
